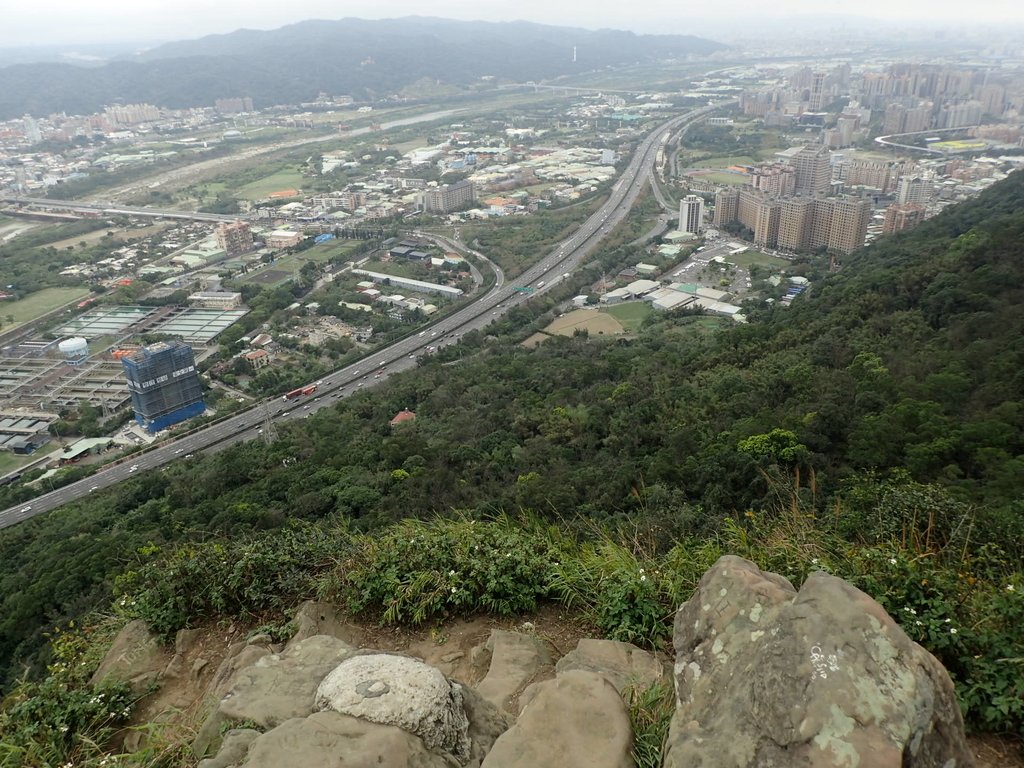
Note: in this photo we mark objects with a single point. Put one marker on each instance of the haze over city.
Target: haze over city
(63, 22)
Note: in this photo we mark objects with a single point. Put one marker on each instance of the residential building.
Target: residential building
(691, 214)
(777, 180)
(899, 218)
(216, 299)
(915, 189)
(234, 239)
(726, 206)
(448, 197)
(813, 172)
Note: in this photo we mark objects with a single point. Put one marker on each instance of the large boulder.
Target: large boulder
(820, 678)
(516, 661)
(576, 720)
(624, 665)
(336, 740)
(400, 691)
(279, 687)
(135, 657)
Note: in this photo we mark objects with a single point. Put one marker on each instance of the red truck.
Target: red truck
(300, 392)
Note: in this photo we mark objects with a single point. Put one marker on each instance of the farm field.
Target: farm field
(630, 314)
(39, 303)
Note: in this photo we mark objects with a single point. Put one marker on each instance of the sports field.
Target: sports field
(594, 322)
(287, 178)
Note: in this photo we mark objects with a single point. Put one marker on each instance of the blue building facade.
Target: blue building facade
(164, 385)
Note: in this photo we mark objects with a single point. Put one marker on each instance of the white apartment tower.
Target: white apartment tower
(691, 214)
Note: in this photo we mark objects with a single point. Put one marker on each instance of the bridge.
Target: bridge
(49, 205)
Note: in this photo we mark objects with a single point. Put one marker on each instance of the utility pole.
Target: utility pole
(269, 430)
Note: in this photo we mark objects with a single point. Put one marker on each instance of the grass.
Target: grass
(37, 304)
(287, 178)
(723, 162)
(748, 258)
(630, 314)
(9, 462)
(725, 178)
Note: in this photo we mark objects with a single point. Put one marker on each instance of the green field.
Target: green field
(39, 303)
(630, 314)
(9, 462)
(749, 258)
(725, 178)
(723, 162)
(287, 178)
(287, 267)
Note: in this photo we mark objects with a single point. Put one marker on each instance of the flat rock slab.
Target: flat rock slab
(517, 660)
(823, 678)
(400, 691)
(339, 741)
(624, 665)
(576, 720)
(280, 687)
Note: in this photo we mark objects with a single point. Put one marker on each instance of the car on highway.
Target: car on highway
(94, 488)
(178, 451)
(188, 455)
(133, 468)
(27, 508)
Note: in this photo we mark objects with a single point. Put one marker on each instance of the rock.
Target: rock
(197, 667)
(336, 740)
(822, 678)
(486, 724)
(280, 687)
(260, 639)
(186, 639)
(624, 665)
(517, 660)
(576, 720)
(175, 668)
(399, 691)
(135, 657)
(239, 656)
(233, 749)
(315, 618)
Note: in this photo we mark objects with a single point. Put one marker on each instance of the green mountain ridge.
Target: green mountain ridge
(364, 59)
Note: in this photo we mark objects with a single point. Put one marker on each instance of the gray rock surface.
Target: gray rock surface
(823, 678)
(516, 661)
(280, 687)
(338, 741)
(624, 665)
(486, 724)
(233, 749)
(576, 720)
(317, 618)
(400, 691)
(135, 657)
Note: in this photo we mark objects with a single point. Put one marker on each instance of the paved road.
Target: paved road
(247, 425)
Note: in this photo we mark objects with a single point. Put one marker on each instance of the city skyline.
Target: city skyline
(64, 22)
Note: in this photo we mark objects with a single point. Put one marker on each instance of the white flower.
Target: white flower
(892, 561)
(451, 573)
(919, 623)
(814, 561)
(1009, 587)
(642, 577)
(454, 590)
(952, 630)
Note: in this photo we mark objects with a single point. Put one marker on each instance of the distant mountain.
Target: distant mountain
(365, 59)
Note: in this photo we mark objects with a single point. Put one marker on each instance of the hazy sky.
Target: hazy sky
(63, 22)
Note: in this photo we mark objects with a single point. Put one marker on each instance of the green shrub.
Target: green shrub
(242, 578)
(414, 571)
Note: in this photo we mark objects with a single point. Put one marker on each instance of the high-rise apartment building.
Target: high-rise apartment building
(817, 99)
(233, 105)
(899, 218)
(727, 202)
(448, 198)
(691, 214)
(164, 384)
(915, 189)
(235, 238)
(776, 180)
(813, 172)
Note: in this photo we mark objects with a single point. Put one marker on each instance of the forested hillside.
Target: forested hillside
(363, 59)
(887, 408)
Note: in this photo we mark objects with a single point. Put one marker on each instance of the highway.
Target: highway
(247, 425)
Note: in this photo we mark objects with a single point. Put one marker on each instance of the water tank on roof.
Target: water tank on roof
(75, 348)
